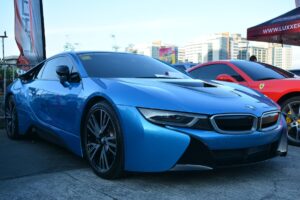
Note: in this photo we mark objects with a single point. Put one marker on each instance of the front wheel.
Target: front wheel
(11, 118)
(291, 112)
(102, 141)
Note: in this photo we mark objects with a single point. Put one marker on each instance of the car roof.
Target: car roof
(218, 62)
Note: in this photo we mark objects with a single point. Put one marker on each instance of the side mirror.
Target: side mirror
(227, 78)
(63, 73)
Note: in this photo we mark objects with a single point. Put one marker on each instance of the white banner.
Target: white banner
(29, 31)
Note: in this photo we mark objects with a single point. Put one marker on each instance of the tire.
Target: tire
(291, 111)
(11, 119)
(102, 141)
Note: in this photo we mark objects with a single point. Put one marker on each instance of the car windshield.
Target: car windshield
(261, 71)
(124, 65)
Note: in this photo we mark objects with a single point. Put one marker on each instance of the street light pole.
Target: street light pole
(115, 47)
(3, 37)
(3, 60)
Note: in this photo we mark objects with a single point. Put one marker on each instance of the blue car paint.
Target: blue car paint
(147, 147)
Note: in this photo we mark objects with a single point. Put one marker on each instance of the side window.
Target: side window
(210, 72)
(49, 70)
(39, 75)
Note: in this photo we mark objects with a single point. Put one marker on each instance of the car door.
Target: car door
(212, 71)
(57, 103)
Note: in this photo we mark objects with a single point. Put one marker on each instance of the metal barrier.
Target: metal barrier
(8, 73)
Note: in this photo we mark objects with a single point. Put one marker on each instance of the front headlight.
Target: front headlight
(179, 119)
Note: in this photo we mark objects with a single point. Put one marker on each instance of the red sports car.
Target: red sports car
(281, 86)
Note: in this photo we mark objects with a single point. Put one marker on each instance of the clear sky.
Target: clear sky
(90, 23)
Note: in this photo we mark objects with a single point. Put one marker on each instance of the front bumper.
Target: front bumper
(199, 154)
(152, 148)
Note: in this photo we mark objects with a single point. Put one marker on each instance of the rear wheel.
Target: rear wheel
(102, 140)
(291, 112)
(11, 119)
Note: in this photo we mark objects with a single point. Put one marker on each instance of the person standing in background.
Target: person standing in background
(253, 58)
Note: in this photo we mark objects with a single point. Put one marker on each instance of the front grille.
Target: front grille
(197, 153)
(242, 123)
(269, 120)
(247, 155)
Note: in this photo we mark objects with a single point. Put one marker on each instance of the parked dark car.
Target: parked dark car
(182, 67)
(295, 71)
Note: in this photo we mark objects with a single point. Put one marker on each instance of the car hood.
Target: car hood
(186, 95)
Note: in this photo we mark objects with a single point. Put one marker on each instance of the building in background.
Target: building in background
(209, 48)
(280, 56)
(181, 55)
(273, 54)
(12, 60)
(224, 46)
(158, 50)
(261, 53)
(220, 46)
(168, 54)
(193, 51)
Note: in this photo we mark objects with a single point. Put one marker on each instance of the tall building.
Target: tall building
(280, 56)
(273, 54)
(223, 46)
(193, 52)
(181, 55)
(215, 47)
(261, 53)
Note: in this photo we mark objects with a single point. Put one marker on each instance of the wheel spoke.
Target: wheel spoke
(104, 120)
(111, 144)
(92, 149)
(93, 125)
(111, 151)
(110, 138)
(103, 160)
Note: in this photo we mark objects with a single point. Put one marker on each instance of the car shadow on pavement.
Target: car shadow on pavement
(265, 170)
(32, 155)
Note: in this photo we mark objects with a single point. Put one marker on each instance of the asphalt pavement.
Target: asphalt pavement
(34, 169)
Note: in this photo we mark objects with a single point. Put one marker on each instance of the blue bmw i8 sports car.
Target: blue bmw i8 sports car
(127, 112)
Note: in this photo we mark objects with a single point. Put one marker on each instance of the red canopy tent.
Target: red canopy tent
(284, 29)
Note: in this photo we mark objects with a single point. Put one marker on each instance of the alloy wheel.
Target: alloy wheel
(291, 112)
(101, 140)
(10, 118)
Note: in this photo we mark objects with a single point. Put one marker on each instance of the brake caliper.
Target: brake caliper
(288, 119)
